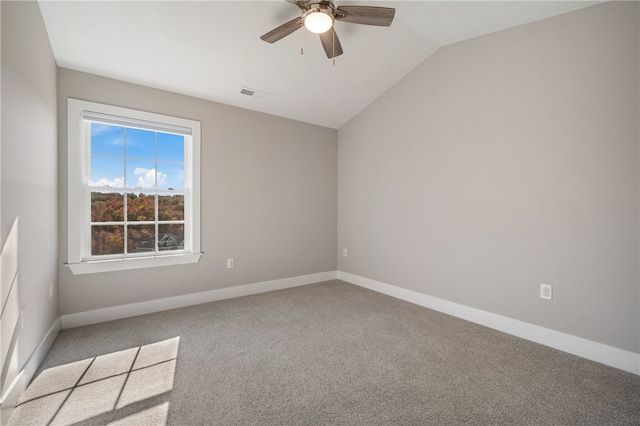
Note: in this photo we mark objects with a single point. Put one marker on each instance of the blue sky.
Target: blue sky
(143, 169)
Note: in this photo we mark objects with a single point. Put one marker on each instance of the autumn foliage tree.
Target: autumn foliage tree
(141, 208)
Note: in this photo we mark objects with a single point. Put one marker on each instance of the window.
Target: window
(133, 189)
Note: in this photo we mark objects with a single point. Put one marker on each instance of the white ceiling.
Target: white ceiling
(210, 49)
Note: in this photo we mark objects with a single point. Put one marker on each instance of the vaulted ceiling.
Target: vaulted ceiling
(212, 49)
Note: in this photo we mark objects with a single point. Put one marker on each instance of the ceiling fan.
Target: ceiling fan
(318, 16)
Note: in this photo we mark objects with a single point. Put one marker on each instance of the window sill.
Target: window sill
(96, 266)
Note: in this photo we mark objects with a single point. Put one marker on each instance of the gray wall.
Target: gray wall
(504, 162)
(29, 164)
(269, 191)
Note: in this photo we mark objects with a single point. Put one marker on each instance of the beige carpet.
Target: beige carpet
(328, 353)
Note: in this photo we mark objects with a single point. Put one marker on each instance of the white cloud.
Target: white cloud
(99, 128)
(114, 135)
(147, 177)
(116, 183)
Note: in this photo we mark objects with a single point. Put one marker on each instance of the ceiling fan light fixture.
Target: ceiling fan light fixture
(318, 20)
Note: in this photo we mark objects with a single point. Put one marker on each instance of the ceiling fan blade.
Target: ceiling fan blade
(331, 43)
(283, 30)
(367, 15)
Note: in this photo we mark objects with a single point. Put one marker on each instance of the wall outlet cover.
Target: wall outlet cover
(546, 291)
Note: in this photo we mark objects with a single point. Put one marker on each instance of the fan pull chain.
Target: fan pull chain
(302, 42)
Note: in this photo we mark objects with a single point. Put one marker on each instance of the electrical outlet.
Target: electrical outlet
(51, 290)
(231, 263)
(546, 291)
(344, 252)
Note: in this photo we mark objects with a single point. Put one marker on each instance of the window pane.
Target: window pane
(141, 144)
(170, 176)
(107, 240)
(171, 236)
(141, 207)
(106, 171)
(170, 207)
(141, 238)
(170, 147)
(107, 139)
(107, 207)
(142, 174)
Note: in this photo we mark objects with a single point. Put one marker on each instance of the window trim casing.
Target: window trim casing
(77, 155)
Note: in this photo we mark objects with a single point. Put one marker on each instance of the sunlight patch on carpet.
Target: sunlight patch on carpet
(152, 416)
(95, 387)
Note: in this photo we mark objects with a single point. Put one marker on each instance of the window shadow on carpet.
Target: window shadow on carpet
(119, 385)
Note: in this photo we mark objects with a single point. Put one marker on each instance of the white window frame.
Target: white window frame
(78, 157)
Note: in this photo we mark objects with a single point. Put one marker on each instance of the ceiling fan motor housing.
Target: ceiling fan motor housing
(322, 4)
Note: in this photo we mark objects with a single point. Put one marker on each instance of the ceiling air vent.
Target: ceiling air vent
(254, 93)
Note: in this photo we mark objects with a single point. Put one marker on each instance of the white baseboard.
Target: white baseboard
(594, 351)
(14, 391)
(604, 354)
(141, 308)
(36, 358)
(10, 398)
